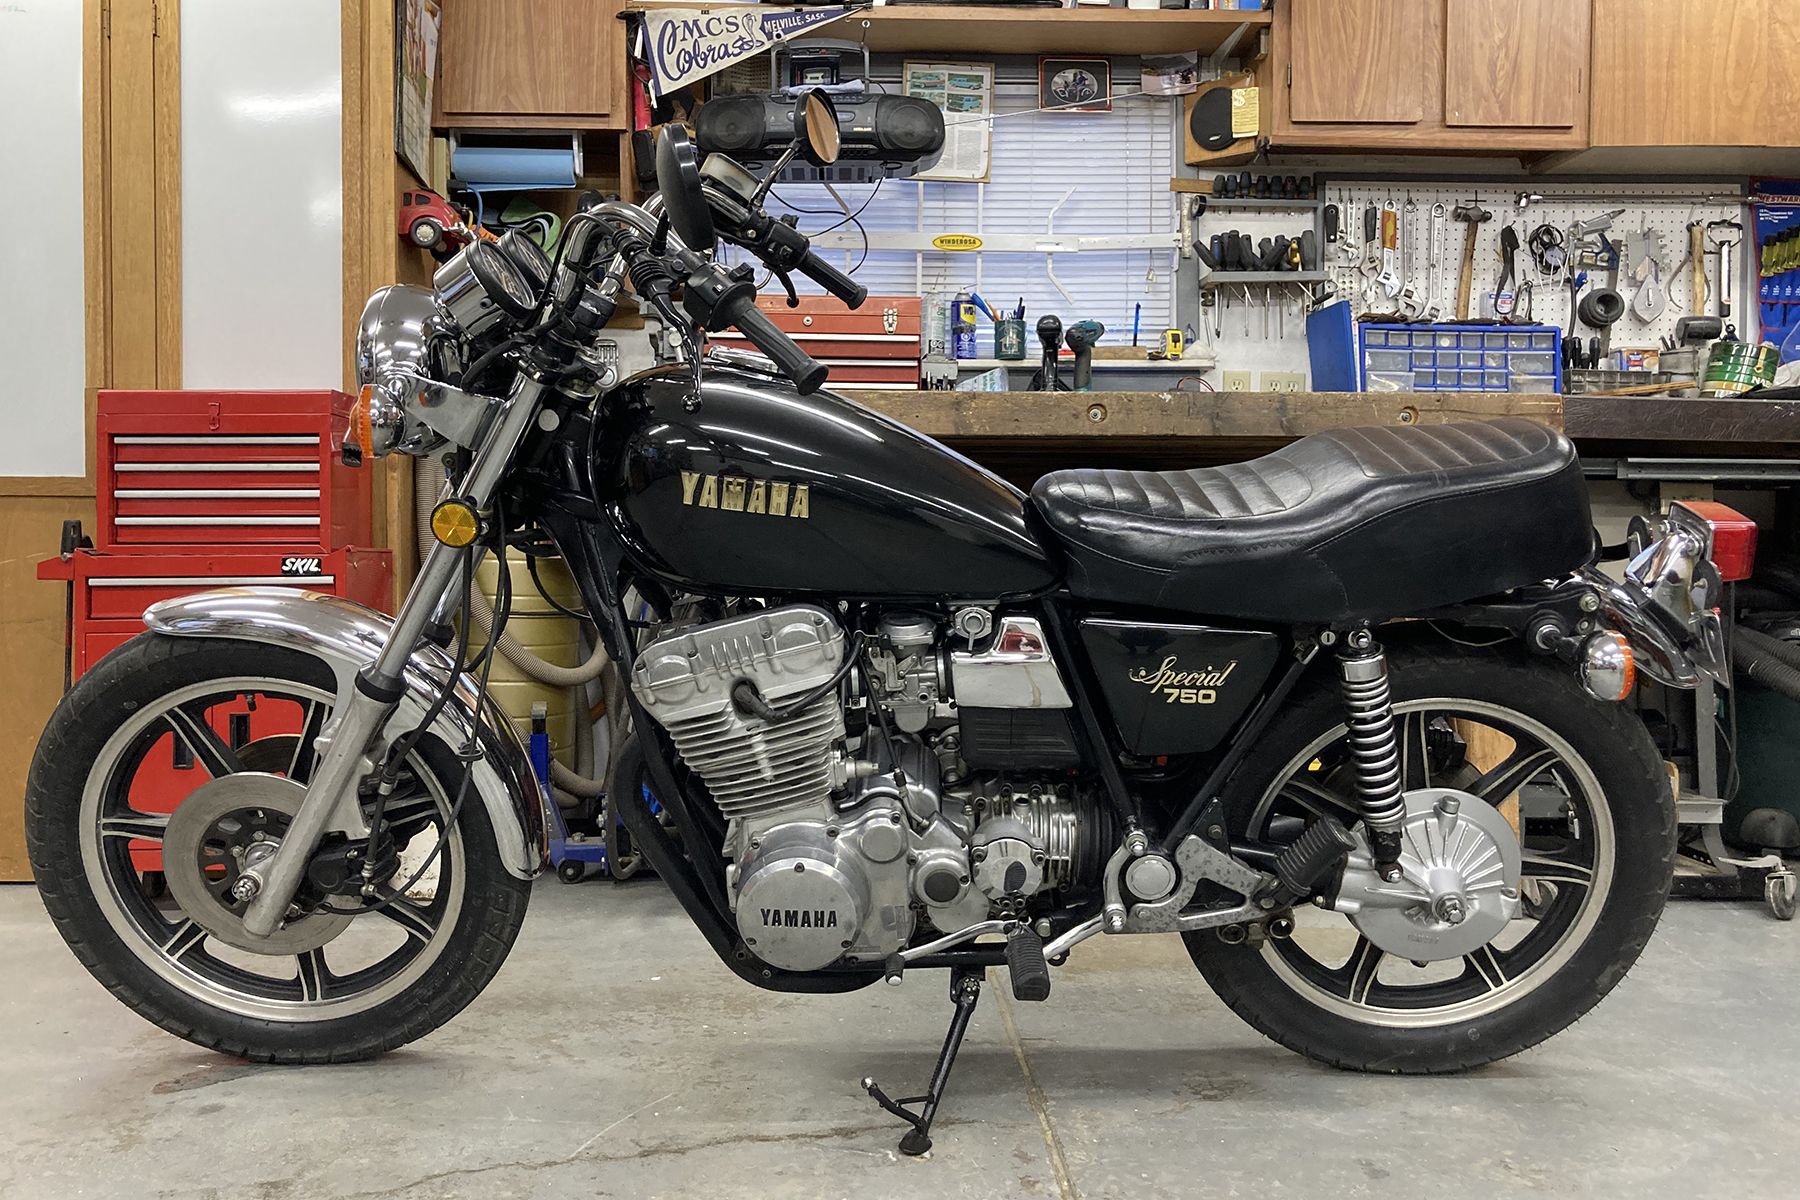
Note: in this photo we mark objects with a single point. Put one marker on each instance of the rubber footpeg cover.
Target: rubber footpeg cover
(1025, 964)
(1312, 855)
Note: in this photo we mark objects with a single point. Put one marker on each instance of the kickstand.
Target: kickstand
(965, 991)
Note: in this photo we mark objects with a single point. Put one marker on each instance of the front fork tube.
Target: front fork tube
(1374, 747)
(331, 796)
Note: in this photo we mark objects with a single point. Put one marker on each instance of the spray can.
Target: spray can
(962, 326)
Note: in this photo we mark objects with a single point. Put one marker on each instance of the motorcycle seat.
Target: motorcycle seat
(1344, 525)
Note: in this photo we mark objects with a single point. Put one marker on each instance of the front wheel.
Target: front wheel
(1582, 787)
(181, 759)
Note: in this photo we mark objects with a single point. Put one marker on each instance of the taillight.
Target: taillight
(1733, 537)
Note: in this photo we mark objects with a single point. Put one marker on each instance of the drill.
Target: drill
(1049, 331)
(1081, 338)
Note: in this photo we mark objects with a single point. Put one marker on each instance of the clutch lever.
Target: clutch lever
(787, 285)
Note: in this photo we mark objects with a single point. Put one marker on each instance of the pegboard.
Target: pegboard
(1660, 209)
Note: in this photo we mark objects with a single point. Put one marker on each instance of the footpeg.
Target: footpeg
(1025, 963)
(1313, 856)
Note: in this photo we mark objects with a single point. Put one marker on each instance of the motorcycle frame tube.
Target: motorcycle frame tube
(331, 795)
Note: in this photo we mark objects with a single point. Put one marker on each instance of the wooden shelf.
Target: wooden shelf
(951, 31)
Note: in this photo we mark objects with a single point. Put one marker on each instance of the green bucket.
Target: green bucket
(1736, 367)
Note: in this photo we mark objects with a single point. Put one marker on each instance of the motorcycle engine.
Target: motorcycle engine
(845, 836)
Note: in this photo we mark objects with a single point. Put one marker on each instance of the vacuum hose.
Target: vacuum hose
(428, 485)
(1769, 661)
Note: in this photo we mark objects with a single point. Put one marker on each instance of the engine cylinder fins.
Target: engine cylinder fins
(1374, 742)
(754, 769)
(1072, 831)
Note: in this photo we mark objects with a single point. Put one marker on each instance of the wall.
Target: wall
(262, 194)
(41, 259)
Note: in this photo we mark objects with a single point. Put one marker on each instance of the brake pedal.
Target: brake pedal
(1025, 964)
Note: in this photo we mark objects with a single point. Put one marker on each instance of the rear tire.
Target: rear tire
(1636, 812)
(113, 927)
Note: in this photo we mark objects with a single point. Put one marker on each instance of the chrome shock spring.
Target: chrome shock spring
(1374, 745)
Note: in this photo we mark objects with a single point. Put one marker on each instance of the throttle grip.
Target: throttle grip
(807, 372)
(832, 280)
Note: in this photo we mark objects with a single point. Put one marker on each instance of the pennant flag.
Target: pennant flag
(683, 44)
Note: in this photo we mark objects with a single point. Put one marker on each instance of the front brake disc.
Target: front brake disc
(205, 848)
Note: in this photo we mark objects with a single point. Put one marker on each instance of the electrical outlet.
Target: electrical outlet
(1283, 381)
(1235, 381)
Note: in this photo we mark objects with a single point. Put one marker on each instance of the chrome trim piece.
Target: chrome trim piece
(296, 467)
(968, 934)
(1022, 676)
(213, 439)
(215, 520)
(1625, 607)
(346, 636)
(216, 494)
(207, 581)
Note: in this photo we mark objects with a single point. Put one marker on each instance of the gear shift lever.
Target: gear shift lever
(1049, 331)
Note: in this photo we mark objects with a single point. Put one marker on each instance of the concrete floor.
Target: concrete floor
(615, 1057)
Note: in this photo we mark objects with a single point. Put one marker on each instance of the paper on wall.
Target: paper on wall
(965, 93)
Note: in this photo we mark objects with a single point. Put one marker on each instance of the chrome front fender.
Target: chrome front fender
(346, 637)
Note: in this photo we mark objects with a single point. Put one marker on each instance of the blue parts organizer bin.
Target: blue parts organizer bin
(1460, 358)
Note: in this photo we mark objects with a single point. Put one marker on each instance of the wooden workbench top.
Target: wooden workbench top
(1023, 434)
(1282, 416)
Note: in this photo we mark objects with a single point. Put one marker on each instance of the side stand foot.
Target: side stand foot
(965, 991)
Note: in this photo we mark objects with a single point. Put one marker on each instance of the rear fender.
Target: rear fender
(346, 637)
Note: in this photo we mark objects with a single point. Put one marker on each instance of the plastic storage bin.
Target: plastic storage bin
(1460, 358)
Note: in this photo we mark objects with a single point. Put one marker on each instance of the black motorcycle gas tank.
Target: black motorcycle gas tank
(760, 490)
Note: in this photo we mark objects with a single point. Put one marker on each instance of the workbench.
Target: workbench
(1021, 434)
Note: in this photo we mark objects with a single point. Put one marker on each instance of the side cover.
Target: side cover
(756, 489)
(347, 637)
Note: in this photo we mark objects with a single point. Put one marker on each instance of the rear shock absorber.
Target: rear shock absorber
(1374, 747)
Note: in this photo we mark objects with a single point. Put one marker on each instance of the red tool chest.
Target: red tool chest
(875, 346)
(192, 471)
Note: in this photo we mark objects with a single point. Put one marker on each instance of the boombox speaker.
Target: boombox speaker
(879, 135)
(1209, 138)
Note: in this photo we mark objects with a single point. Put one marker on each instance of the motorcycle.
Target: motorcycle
(1344, 718)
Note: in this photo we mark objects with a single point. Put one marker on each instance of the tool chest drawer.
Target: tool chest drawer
(122, 586)
(197, 470)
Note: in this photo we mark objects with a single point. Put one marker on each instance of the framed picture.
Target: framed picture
(1075, 84)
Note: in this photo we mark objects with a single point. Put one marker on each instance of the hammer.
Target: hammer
(1471, 215)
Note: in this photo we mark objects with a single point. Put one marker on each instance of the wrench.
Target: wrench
(1434, 245)
(1389, 279)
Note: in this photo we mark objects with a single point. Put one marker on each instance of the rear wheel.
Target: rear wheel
(1581, 786)
(184, 759)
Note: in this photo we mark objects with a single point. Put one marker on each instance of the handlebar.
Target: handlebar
(832, 280)
(807, 372)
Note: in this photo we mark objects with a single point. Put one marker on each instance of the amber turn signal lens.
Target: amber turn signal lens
(1608, 669)
(455, 523)
(362, 432)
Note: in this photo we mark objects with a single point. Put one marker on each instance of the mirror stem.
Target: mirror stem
(768, 181)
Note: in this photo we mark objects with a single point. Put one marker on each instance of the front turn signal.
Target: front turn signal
(455, 523)
(1608, 669)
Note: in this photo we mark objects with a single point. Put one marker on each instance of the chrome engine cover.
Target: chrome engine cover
(1459, 887)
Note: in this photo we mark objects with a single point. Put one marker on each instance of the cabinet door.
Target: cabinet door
(1357, 61)
(1674, 73)
(532, 58)
(1516, 64)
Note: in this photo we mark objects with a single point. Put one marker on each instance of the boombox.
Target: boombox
(879, 135)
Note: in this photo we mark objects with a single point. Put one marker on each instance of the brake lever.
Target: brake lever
(787, 285)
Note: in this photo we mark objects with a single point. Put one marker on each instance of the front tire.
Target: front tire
(161, 715)
(1598, 824)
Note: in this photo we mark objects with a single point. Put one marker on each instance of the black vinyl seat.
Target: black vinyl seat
(1354, 523)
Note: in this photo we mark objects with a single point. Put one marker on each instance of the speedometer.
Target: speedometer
(479, 286)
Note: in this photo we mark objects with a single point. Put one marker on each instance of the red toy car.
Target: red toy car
(429, 221)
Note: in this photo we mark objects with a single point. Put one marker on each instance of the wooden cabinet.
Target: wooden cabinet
(1676, 73)
(1431, 75)
(1357, 61)
(532, 63)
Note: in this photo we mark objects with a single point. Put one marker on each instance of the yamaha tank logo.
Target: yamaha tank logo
(1184, 687)
(758, 497)
(799, 918)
